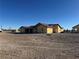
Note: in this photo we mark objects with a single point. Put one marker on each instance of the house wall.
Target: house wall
(78, 29)
(57, 29)
(60, 30)
(41, 29)
(49, 30)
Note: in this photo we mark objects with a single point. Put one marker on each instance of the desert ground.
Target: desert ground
(39, 46)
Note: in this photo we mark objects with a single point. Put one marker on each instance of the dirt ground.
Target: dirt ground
(39, 46)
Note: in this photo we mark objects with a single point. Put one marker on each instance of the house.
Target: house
(42, 28)
(75, 28)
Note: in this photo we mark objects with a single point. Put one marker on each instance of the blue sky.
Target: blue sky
(15, 13)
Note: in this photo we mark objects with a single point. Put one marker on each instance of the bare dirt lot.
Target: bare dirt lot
(39, 46)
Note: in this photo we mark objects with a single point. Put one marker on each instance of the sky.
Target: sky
(16, 13)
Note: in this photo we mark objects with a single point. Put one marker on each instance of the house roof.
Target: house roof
(76, 26)
(55, 25)
(23, 27)
(47, 25)
(27, 27)
(41, 24)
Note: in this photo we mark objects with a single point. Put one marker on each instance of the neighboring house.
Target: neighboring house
(42, 28)
(75, 28)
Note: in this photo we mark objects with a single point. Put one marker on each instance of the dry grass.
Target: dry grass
(39, 46)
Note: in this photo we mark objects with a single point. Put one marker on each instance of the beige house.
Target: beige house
(42, 28)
